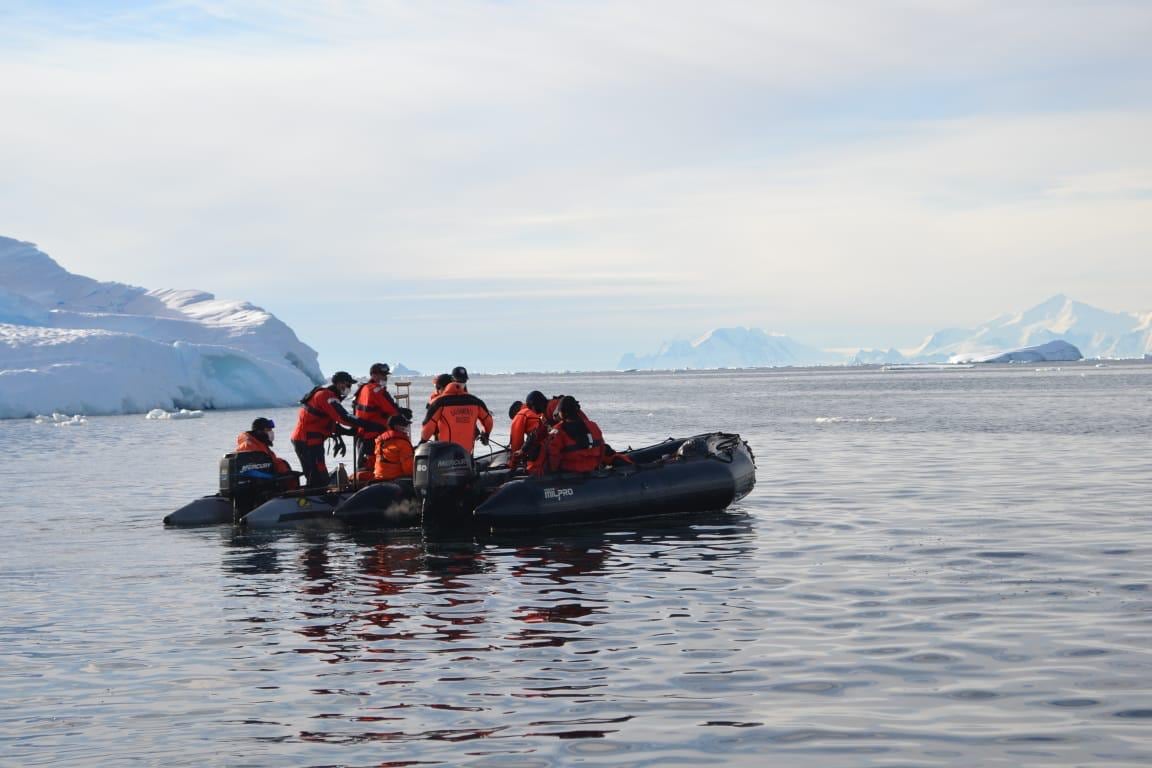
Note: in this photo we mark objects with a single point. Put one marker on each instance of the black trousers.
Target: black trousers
(312, 462)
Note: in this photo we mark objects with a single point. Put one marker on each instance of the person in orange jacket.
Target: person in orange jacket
(259, 439)
(372, 402)
(527, 433)
(394, 451)
(438, 385)
(575, 444)
(321, 416)
(457, 416)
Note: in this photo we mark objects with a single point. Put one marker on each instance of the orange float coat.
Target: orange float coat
(393, 456)
(373, 403)
(574, 446)
(527, 425)
(247, 442)
(454, 416)
(320, 412)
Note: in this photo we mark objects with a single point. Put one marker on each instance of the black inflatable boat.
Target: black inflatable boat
(451, 489)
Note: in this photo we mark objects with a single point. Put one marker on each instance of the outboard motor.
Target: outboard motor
(442, 475)
(247, 478)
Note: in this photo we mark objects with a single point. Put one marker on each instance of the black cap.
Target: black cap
(443, 380)
(379, 368)
(514, 409)
(261, 424)
(460, 374)
(399, 420)
(342, 377)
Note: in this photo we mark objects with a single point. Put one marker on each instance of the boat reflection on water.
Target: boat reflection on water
(422, 628)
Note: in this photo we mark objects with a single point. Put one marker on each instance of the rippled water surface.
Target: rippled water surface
(946, 568)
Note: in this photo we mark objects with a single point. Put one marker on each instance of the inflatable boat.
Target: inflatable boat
(452, 490)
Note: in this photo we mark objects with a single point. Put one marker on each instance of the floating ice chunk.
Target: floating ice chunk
(70, 421)
(183, 413)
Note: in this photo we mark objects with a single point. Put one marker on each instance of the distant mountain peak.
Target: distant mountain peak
(729, 347)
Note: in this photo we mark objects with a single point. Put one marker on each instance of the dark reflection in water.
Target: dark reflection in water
(502, 638)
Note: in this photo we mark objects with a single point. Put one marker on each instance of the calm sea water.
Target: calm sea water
(944, 569)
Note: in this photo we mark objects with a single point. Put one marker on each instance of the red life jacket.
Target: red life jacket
(320, 412)
(373, 403)
(454, 417)
(393, 456)
(573, 446)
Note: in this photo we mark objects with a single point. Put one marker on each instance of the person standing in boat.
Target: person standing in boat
(259, 439)
(575, 444)
(528, 430)
(394, 451)
(457, 416)
(321, 416)
(372, 402)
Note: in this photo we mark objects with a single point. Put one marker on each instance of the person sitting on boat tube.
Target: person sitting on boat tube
(527, 431)
(259, 439)
(575, 444)
(373, 403)
(394, 450)
(321, 417)
(458, 417)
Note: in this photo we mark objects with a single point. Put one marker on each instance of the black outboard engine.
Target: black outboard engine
(248, 479)
(442, 474)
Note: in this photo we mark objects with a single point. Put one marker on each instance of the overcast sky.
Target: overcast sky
(547, 184)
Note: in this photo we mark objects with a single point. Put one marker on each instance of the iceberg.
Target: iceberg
(1049, 352)
(72, 344)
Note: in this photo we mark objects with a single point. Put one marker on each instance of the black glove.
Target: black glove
(338, 446)
(406, 413)
(483, 438)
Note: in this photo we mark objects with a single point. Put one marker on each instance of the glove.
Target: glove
(406, 413)
(483, 438)
(338, 446)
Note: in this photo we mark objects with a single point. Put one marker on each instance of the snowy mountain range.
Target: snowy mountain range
(73, 344)
(730, 348)
(1095, 332)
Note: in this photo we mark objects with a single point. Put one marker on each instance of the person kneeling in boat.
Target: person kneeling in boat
(394, 451)
(528, 430)
(458, 417)
(259, 439)
(575, 444)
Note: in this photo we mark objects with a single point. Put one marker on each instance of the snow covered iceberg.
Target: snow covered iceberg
(1050, 352)
(70, 343)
